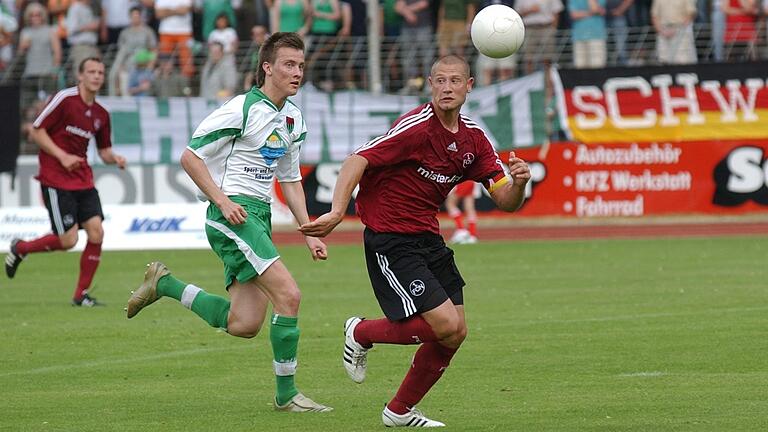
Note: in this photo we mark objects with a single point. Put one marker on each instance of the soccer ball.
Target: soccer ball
(497, 31)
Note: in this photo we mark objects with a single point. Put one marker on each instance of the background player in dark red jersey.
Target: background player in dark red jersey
(404, 176)
(63, 130)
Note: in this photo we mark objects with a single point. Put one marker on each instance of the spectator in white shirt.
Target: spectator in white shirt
(176, 31)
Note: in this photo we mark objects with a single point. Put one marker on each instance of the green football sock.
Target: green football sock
(212, 308)
(284, 335)
(169, 286)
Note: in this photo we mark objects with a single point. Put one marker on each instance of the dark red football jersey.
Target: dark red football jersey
(71, 123)
(412, 168)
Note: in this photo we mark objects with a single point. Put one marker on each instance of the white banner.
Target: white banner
(128, 227)
(150, 130)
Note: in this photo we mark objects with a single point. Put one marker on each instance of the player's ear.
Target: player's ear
(267, 68)
(470, 84)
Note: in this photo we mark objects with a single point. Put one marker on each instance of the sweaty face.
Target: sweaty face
(92, 76)
(287, 70)
(450, 84)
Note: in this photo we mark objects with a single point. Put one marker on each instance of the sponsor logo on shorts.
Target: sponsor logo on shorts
(68, 219)
(417, 287)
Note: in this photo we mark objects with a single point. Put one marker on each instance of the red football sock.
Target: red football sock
(47, 243)
(458, 220)
(410, 331)
(429, 363)
(89, 262)
(472, 225)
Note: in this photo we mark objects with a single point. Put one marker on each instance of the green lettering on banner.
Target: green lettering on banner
(163, 108)
(166, 145)
(512, 113)
(500, 124)
(126, 128)
(538, 116)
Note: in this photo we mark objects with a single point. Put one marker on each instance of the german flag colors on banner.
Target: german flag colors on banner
(664, 103)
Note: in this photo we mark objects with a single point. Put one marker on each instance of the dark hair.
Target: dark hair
(134, 8)
(81, 66)
(268, 51)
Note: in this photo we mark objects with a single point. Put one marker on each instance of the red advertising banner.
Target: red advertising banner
(664, 103)
(619, 180)
(648, 179)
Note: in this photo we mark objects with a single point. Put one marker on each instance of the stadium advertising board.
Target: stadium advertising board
(627, 180)
(127, 226)
(148, 130)
(707, 102)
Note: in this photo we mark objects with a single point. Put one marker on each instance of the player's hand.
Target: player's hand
(321, 226)
(519, 170)
(120, 162)
(233, 212)
(317, 248)
(71, 162)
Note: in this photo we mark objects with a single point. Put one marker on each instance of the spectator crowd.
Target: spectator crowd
(209, 48)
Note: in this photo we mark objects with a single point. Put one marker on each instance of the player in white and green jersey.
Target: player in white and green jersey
(233, 158)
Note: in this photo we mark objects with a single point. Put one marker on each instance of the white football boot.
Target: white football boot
(414, 418)
(355, 356)
(301, 403)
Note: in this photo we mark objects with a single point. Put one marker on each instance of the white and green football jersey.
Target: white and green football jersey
(247, 142)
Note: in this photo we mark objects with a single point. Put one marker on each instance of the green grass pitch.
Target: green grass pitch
(608, 335)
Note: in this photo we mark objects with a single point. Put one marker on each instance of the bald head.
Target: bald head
(450, 60)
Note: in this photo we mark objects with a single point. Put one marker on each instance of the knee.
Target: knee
(244, 330)
(454, 336)
(96, 234)
(447, 329)
(68, 239)
(289, 300)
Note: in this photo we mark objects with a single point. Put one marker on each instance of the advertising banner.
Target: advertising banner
(149, 130)
(621, 180)
(127, 227)
(692, 103)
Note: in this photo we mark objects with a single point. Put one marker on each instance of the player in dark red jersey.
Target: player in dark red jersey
(63, 130)
(404, 176)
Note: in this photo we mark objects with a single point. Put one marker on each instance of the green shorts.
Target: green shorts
(246, 249)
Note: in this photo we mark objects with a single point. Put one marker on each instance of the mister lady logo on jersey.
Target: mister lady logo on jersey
(289, 124)
(273, 149)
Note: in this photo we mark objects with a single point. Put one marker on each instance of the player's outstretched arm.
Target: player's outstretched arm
(510, 196)
(297, 203)
(198, 172)
(349, 177)
(111, 158)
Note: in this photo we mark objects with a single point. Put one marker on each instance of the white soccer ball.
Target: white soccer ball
(497, 31)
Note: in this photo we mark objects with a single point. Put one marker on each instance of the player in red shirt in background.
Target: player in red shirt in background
(404, 176)
(63, 131)
(465, 193)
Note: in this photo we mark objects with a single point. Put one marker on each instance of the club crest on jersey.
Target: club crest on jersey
(417, 287)
(97, 124)
(468, 159)
(273, 149)
(289, 124)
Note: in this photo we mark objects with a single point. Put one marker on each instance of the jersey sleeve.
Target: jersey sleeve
(104, 134)
(52, 114)
(488, 168)
(289, 166)
(218, 128)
